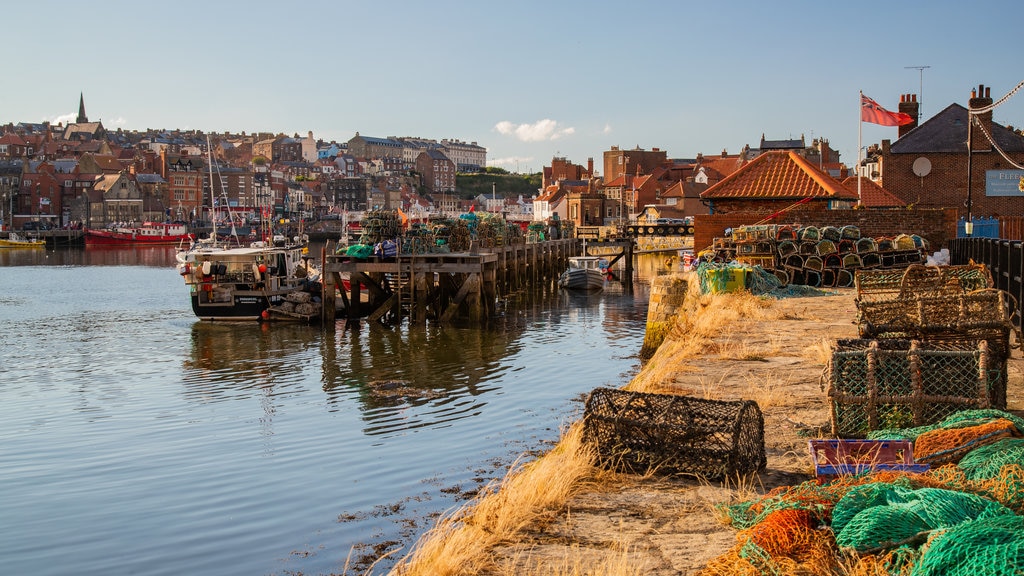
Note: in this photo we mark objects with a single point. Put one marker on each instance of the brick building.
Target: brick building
(562, 169)
(928, 165)
(636, 161)
(436, 171)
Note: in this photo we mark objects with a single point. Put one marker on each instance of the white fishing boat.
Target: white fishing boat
(584, 273)
(266, 280)
(262, 281)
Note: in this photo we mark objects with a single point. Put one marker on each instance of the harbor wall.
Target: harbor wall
(667, 296)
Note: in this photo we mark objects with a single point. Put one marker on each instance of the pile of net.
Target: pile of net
(961, 518)
(716, 277)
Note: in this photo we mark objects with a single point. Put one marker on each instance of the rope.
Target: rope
(995, 105)
(994, 145)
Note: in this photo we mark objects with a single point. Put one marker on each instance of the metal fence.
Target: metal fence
(1005, 260)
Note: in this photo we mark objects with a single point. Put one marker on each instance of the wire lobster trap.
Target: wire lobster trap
(883, 384)
(637, 432)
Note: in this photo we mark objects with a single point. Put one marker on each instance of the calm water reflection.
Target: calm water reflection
(138, 440)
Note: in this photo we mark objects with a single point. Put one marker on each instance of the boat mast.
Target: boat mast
(213, 197)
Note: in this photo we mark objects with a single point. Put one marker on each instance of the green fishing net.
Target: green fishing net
(878, 516)
(987, 461)
(962, 419)
(992, 546)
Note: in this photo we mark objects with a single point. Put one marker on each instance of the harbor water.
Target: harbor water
(135, 439)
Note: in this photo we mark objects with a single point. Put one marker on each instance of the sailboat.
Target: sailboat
(266, 280)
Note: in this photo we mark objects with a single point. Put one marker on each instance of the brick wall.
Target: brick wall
(946, 184)
(934, 225)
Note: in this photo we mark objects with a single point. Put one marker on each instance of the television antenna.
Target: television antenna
(920, 90)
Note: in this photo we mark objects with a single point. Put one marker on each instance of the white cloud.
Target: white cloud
(539, 131)
(63, 119)
(607, 129)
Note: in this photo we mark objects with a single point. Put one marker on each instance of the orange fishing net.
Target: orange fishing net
(949, 445)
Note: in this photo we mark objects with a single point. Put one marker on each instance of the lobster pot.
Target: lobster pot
(958, 319)
(637, 432)
(882, 384)
(876, 285)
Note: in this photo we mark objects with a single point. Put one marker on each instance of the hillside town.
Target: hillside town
(83, 175)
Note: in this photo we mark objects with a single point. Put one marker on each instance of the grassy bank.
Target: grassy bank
(477, 538)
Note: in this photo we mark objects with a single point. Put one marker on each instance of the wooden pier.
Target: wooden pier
(445, 287)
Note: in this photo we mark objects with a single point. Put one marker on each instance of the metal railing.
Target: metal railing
(1004, 259)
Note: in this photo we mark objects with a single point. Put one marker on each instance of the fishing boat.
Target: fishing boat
(150, 233)
(584, 273)
(263, 281)
(15, 240)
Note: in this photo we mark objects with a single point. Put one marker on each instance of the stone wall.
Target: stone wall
(667, 296)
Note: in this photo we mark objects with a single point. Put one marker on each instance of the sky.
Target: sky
(528, 80)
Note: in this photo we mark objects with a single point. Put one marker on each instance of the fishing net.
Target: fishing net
(894, 523)
(961, 419)
(992, 545)
(988, 461)
(879, 516)
(949, 445)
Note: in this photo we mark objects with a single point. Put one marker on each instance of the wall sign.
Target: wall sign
(1003, 182)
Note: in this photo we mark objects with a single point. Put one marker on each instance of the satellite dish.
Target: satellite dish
(922, 167)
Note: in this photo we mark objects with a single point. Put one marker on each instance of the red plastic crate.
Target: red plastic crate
(835, 457)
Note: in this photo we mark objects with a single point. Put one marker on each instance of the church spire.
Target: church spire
(82, 118)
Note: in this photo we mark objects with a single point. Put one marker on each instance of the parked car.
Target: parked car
(36, 225)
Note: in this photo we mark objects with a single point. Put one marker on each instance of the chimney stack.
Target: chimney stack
(909, 106)
(981, 98)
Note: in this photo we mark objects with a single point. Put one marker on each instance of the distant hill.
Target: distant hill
(471, 185)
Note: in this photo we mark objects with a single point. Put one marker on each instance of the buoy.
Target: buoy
(257, 276)
(263, 268)
(265, 314)
(206, 268)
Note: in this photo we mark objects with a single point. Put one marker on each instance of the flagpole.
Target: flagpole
(860, 129)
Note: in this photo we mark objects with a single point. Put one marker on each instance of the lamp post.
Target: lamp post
(969, 224)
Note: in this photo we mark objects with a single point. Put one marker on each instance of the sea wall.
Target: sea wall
(667, 296)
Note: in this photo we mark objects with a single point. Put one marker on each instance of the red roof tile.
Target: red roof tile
(781, 175)
(872, 195)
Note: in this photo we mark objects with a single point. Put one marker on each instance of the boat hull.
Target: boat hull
(242, 307)
(581, 279)
(168, 235)
(22, 244)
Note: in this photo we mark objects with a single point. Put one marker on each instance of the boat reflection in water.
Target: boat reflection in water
(400, 378)
(230, 360)
(411, 378)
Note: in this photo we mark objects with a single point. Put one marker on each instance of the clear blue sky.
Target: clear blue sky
(528, 80)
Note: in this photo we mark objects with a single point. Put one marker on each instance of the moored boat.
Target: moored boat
(584, 273)
(262, 281)
(147, 233)
(15, 240)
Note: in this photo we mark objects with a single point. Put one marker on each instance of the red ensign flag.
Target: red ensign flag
(871, 112)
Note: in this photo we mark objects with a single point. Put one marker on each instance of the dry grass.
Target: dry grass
(459, 543)
(821, 352)
(704, 324)
(531, 494)
(766, 389)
